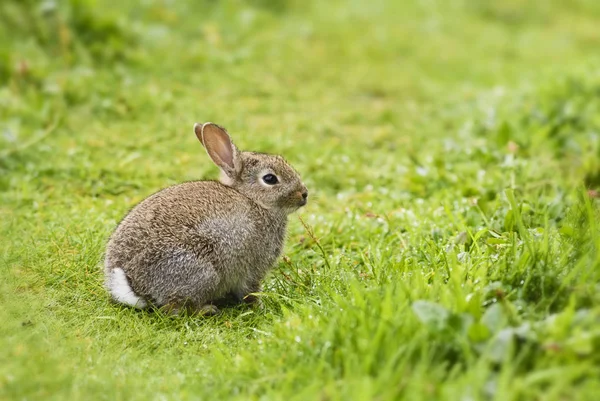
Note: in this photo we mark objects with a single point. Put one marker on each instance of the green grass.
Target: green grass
(452, 151)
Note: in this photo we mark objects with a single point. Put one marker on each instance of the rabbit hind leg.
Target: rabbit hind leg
(190, 287)
(178, 309)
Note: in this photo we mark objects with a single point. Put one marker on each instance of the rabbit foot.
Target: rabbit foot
(250, 299)
(254, 302)
(235, 298)
(208, 310)
(173, 309)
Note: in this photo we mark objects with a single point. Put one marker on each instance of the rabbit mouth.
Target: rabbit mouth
(295, 201)
(291, 207)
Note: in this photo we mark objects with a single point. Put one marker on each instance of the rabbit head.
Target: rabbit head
(266, 179)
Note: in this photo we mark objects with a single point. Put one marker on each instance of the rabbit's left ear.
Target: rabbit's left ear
(219, 147)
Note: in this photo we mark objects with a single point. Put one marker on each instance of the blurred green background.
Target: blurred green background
(452, 151)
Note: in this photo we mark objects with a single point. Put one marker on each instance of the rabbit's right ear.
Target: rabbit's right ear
(219, 147)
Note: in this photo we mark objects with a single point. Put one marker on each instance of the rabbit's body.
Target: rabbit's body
(181, 246)
(194, 243)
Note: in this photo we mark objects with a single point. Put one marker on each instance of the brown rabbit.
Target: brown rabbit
(192, 244)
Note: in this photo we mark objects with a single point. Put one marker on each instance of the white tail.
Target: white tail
(121, 291)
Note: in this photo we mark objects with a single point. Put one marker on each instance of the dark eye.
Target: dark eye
(270, 179)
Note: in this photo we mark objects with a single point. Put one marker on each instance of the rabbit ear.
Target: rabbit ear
(219, 147)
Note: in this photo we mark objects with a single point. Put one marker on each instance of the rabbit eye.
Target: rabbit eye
(270, 179)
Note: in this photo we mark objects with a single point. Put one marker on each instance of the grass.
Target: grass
(452, 151)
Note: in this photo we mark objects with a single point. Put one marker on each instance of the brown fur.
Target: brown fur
(194, 243)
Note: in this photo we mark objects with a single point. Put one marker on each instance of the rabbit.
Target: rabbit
(190, 245)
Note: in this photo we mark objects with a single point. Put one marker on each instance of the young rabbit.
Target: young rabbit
(189, 245)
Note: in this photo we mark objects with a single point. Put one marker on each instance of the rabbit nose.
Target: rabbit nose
(304, 195)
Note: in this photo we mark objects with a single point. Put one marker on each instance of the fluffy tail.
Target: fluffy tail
(121, 291)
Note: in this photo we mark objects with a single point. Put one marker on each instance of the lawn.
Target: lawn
(451, 245)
